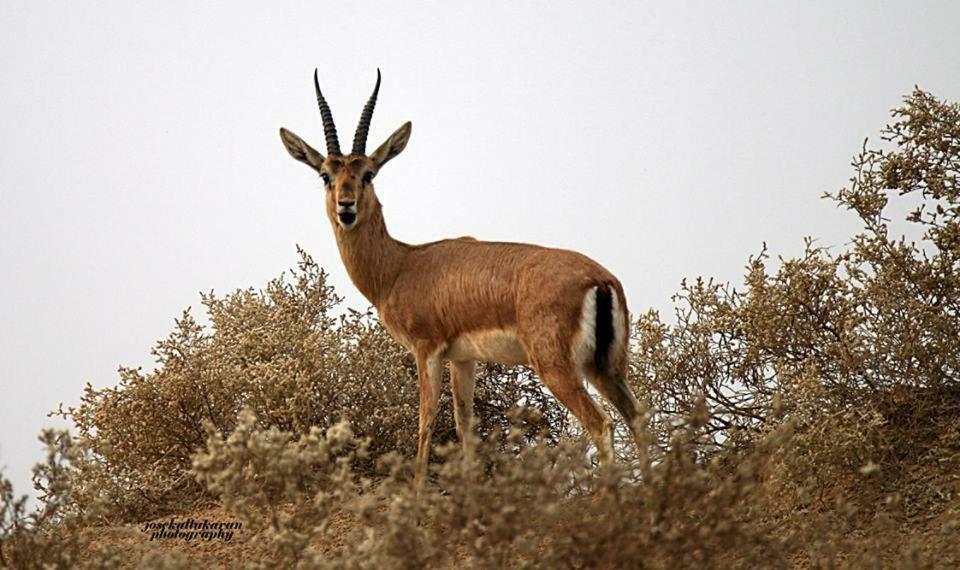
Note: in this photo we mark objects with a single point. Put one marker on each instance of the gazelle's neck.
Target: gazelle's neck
(373, 259)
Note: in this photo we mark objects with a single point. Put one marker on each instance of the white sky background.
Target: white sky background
(140, 161)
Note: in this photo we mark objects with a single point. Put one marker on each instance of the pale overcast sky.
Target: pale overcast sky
(140, 161)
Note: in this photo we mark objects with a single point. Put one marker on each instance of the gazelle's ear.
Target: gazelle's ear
(301, 150)
(394, 145)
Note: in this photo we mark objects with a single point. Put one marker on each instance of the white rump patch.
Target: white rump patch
(619, 328)
(585, 341)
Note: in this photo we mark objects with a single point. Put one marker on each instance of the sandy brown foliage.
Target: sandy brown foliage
(810, 416)
(543, 506)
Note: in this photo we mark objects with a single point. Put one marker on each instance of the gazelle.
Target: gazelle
(462, 300)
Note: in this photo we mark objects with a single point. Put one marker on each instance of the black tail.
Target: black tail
(603, 327)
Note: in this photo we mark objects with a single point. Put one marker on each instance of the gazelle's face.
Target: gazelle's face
(348, 183)
(348, 179)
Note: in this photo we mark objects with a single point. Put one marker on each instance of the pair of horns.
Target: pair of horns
(330, 130)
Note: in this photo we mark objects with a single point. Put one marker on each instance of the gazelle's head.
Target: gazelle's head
(347, 179)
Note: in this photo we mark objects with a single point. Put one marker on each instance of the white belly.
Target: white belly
(501, 346)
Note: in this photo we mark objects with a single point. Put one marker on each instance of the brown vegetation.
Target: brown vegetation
(810, 417)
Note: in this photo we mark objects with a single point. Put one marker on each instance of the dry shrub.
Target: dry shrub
(52, 535)
(284, 485)
(826, 338)
(543, 506)
(49, 534)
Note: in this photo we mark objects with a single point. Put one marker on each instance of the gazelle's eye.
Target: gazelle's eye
(326, 178)
(368, 177)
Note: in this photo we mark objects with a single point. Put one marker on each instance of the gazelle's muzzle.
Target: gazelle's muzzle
(347, 214)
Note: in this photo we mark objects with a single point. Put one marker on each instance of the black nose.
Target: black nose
(345, 204)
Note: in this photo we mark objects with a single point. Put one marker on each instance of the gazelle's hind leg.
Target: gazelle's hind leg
(613, 387)
(463, 380)
(430, 372)
(564, 382)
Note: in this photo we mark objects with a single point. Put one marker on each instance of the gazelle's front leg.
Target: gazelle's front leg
(463, 380)
(430, 373)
